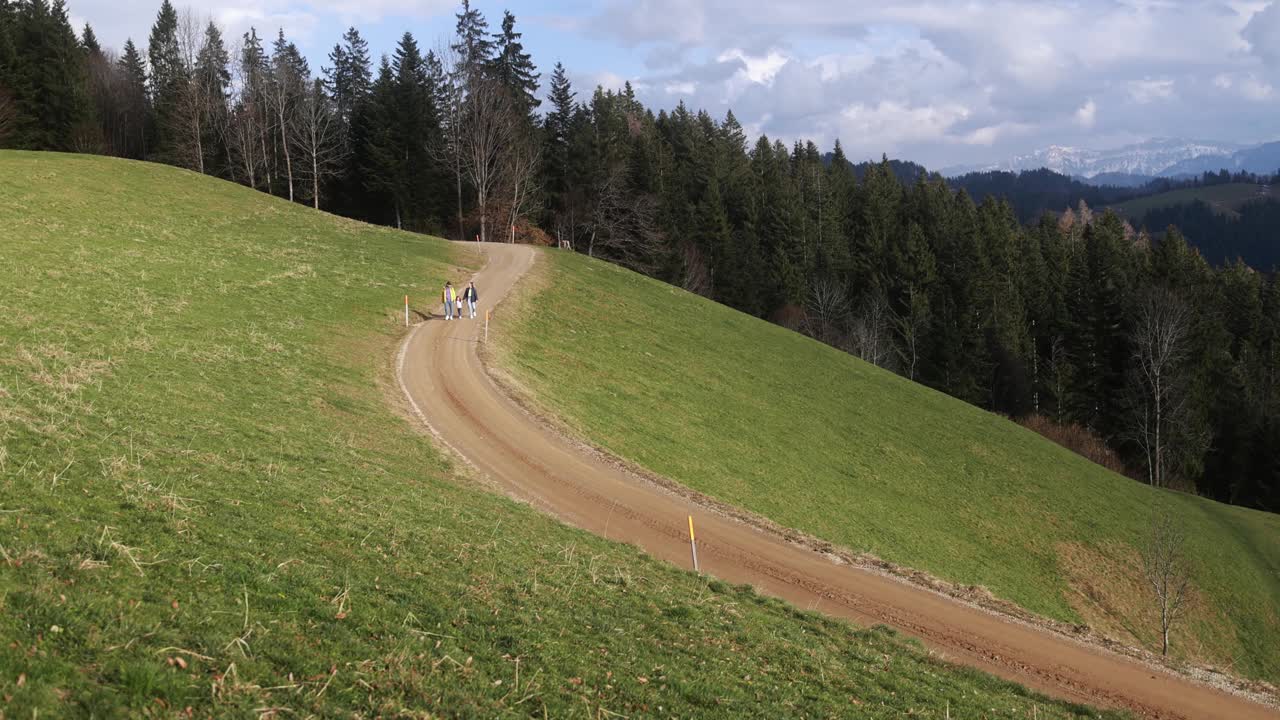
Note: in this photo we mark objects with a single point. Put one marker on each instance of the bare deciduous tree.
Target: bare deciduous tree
(696, 277)
(450, 96)
(520, 174)
(911, 325)
(191, 105)
(317, 134)
(484, 138)
(1164, 565)
(246, 127)
(1159, 342)
(284, 90)
(623, 225)
(826, 310)
(870, 332)
(1059, 375)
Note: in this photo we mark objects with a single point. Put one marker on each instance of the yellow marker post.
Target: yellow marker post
(693, 546)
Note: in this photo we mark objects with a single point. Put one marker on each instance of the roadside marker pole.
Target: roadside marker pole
(406, 311)
(693, 546)
(486, 327)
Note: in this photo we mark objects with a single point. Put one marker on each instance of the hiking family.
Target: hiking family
(453, 300)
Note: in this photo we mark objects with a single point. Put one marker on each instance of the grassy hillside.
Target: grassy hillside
(1225, 199)
(207, 501)
(815, 439)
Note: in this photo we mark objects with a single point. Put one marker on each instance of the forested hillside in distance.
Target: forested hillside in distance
(1059, 317)
(1034, 192)
(1253, 236)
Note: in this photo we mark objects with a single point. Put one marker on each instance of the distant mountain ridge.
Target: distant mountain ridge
(1127, 165)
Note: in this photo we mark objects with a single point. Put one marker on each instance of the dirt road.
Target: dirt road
(441, 373)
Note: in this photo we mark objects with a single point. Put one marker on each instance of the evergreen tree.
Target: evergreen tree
(406, 126)
(349, 81)
(167, 78)
(48, 80)
(350, 76)
(513, 67)
(877, 223)
(380, 159)
(89, 41)
(135, 106)
(557, 136)
(473, 46)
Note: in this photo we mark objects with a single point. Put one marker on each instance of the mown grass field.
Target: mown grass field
(207, 500)
(1224, 199)
(814, 439)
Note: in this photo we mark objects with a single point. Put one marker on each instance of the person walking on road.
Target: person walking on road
(448, 297)
(472, 297)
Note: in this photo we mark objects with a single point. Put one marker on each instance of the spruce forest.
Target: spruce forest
(1125, 344)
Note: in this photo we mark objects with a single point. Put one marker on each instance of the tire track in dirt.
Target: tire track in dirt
(441, 373)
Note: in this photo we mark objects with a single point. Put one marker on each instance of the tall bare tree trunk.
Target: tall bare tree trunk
(284, 145)
(462, 228)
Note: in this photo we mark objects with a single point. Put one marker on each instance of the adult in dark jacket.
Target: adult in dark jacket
(471, 297)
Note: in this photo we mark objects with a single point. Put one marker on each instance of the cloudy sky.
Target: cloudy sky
(938, 82)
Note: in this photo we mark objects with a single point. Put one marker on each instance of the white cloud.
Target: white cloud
(681, 88)
(1146, 91)
(759, 69)
(676, 22)
(1087, 115)
(605, 79)
(887, 124)
(1248, 86)
(1262, 33)
(990, 134)
(1255, 89)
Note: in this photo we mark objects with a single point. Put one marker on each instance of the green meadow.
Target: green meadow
(212, 503)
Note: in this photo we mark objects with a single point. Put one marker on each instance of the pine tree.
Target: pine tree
(136, 107)
(557, 137)
(89, 41)
(421, 185)
(349, 82)
(473, 46)
(513, 67)
(877, 223)
(48, 80)
(349, 79)
(167, 78)
(406, 126)
(380, 167)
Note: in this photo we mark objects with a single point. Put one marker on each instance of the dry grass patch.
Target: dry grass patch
(1113, 598)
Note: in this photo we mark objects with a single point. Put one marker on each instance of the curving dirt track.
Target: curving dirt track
(441, 374)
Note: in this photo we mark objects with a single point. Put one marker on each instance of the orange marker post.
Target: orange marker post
(406, 311)
(693, 546)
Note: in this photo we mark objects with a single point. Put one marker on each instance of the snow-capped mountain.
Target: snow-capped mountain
(1149, 158)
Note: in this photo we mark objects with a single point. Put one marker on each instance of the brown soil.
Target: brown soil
(442, 375)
